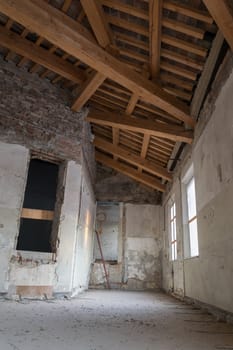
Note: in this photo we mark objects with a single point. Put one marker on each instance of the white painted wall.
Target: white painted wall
(209, 277)
(85, 239)
(68, 228)
(13, 169)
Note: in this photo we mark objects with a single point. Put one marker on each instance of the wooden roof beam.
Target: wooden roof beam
(130, 172)
(143, 126)
(155, 27)
(132, 158)
(25, 48)
(222, 13)
(98, 23)
(88, 89)
(70, 36)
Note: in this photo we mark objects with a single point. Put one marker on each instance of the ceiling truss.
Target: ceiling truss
(136, 66)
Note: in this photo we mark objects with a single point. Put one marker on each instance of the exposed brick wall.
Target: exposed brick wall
(36, 114)
(115, 187)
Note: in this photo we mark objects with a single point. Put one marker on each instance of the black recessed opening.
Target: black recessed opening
(34, 235)
(40, 193)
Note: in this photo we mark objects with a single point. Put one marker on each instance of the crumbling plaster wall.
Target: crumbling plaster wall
(143, 247)
(13, 167)
(208, 278)
(139, 250)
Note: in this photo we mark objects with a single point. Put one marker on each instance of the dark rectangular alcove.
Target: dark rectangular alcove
(40, 193)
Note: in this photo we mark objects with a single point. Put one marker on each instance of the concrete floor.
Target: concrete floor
(110, 320)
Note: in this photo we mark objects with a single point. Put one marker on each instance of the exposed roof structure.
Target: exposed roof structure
(143, 67)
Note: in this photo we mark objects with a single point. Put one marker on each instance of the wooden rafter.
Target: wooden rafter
(130, 172)
(132, 158)
(66, 34)
(132, 104)
(145, 145)
(155, 27)
(123, 122)
(97, 21)
(88, 89)
(37, 54)
(222, 13)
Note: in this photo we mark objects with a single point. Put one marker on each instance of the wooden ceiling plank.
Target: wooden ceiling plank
(130, 172)
(176, 92)
(131, 41)
(122, 7)
(139, 125)
(187, 11)
(165, 22)
(132, 158)
(35, 53)
(187, 61)
(114, 101)
(222, 13)
(102, 92)
(70, 36)
(171, 79)
(88, 89)
(184, 45)
(178, 70)
(155, 27)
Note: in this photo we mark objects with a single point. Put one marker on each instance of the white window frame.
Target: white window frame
(172, 230)
(191, 243)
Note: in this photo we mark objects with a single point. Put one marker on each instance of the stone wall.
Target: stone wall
(112, 186)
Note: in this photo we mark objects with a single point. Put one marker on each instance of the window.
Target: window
(192, 217)
(37, 215)
(173, 238)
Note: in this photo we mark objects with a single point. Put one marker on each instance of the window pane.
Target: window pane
(174, 209)
(174, 230)
(171, 212)
(175, 251)
(194, 251)
(191, 198)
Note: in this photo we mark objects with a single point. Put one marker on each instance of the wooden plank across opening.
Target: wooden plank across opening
(37, 214)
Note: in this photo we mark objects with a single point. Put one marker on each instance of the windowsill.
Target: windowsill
(110, 262)
(32, 255)
(191, 257)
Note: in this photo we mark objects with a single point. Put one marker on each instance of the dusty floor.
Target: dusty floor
(110, 320)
